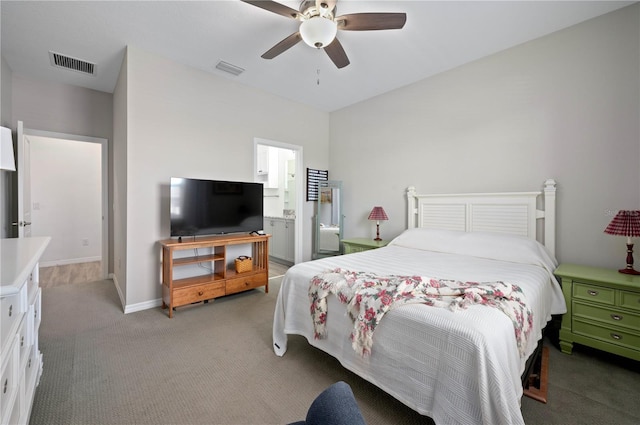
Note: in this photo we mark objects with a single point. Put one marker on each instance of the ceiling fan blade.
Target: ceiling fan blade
(371, 21)
(285, 44)
(336, 53)
(274, 7)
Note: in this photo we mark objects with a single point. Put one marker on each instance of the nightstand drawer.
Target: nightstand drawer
(609, 316)
(350, 249)
(630, 300)
(352, 246)
(614, 336)
(593, 293)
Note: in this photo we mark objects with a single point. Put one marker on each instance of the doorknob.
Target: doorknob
(22, 224)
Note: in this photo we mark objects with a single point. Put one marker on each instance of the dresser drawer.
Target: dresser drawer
(603, 333)
(32, 283)
(14, 414)
(194, 294)
(8, 378)
(630, 300)
(24, 343)
(11, 310)
(608, 315)
(593, 293)
(240, 284)
(35, 313)
(31, 371)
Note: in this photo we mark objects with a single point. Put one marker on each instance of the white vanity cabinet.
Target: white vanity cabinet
(20, 301)
(282, 231)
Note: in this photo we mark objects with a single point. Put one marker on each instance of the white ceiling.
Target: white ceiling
(438, 35)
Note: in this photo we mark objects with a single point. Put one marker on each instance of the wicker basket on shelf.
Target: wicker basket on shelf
(244, 264)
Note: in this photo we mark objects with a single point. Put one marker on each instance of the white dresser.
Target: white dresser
(20, 300)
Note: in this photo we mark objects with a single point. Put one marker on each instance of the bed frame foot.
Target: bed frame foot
(536, 387)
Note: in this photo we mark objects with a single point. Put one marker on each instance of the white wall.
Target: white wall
(565, 106)
(119, 180)
(66, 199)
(186, 122)
(61, 108)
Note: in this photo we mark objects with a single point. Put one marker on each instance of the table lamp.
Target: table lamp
(378, 214)
(626, 223)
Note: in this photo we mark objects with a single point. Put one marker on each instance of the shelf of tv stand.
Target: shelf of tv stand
(223, 278)
(197, 259)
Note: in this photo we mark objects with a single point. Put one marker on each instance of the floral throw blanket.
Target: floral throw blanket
(369, 296)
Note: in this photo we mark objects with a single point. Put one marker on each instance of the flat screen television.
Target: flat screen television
(211, 207)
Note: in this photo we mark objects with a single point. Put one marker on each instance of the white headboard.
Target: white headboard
(509, 212)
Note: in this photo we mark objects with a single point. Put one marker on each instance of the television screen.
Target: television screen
(210, 207)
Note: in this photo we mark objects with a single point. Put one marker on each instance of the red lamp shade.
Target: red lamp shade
(626, 223)
(378, 214)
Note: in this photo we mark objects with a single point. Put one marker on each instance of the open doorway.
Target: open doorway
(279, 167)
(68, 187)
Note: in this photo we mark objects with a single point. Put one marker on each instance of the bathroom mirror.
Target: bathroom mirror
(329, 220)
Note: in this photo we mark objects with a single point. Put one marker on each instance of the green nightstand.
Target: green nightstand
(361, 244)
(603, 310)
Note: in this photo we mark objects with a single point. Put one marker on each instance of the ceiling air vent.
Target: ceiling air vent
(74, 64)
(231, 69)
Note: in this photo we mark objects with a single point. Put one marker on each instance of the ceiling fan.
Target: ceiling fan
(319, 26)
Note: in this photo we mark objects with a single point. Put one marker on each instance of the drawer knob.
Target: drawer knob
(592, 292)
(246, 283)
(22, 341)
(616, 317)
(29, 363)
(616, 337)
(200, 293)
(10, 310)
(5, 386)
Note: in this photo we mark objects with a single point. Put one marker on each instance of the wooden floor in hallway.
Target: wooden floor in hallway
(65, 274)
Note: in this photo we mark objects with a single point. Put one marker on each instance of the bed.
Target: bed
(457, 367)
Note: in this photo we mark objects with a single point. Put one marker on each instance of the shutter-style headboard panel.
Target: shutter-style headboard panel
(509, 212)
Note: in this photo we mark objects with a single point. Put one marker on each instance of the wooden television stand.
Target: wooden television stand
(222, 278)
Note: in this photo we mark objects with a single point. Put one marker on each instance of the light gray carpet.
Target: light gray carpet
(213, 364)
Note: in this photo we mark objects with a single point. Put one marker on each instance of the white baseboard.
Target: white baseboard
(134, 307)
(142, 306)
(70, 261)
(113, 277)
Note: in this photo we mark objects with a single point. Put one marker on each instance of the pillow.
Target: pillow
(428, 239)
(495, 246)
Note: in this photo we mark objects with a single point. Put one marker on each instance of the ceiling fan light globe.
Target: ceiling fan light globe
(318, 32)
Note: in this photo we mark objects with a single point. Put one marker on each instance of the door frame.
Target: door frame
(297, 255)
(104, 153)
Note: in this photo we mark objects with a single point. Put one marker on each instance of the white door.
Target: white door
(24, 184)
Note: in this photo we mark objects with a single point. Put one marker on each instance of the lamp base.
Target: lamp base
(629, 271)
(379, 239)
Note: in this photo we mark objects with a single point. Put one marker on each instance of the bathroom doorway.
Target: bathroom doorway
(279, 167)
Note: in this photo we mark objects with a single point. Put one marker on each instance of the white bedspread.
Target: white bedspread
(455, 367)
